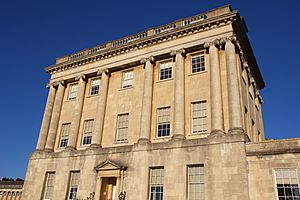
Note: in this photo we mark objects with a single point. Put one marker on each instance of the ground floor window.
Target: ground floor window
(156, 183)
(196, 182)
(287, 184)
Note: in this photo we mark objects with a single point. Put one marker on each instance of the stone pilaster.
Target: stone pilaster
(77, 112)
(217, 123)
(46, 118)
(147, 100)
(179, 94)
(235, 112)
(100, 114)
(55, 116)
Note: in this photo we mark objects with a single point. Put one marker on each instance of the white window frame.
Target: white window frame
(155, 184)
(71, 186)
(159, 123)
(64, 137)
(123, 128)
(126, 79)
(87, 133)
(200, 53)
(163, 67)
(205, 117)
(46, 187)
(72, 95)
(94, 88)
(201, 182)
(275, 178)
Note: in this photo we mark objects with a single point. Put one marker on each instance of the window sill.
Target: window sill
(169, 79)
(70, 100)
(197, 73)
(127, 88)
(197, 134)
(121, 142)
(163, 137)
(94, 95)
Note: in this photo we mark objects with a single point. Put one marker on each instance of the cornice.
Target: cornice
(178, 32)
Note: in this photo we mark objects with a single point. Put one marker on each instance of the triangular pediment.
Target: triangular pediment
(109, 165)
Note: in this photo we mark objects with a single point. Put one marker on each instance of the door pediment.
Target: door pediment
(109, 165)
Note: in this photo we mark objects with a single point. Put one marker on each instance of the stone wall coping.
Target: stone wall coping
(172, 144)
(273, 147)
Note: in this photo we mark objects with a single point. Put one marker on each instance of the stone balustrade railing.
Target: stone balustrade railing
(141, 35)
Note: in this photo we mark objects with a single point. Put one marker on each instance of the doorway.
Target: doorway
(108, 188)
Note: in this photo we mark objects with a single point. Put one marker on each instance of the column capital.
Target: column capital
(231, 38)
(149, 59)
(81, 76)
(105, 70)
(56, 83)
(215, 43)
(178, 51)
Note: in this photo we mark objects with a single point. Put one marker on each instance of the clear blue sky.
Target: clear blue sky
(34, 33)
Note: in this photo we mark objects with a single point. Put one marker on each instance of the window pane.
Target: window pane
(199, 117)
(163, 122)
(197, 63)
(165, 70)
(73, 185)
(95, 86)
(287, 184)
(122, 127)
(73, 91)
(196, 182)
(127, 79)
(87, 132)
(49, 185)
(65, 128)
(156, 183)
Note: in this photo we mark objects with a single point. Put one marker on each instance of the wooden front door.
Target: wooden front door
(108, 189)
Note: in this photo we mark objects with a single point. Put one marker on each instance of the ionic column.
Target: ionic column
(55, 116)
(46, 118)
(179, 94)
(147, 100)
(235, 112)
(77, 112)
(100, 113)
(217, 124)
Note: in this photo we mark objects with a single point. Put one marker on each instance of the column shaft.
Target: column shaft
(46, 119)
(55, 117)
(147, 101)
(100, 114)
(179, 95)
(77, 113)
(217, 124)
(235, 113)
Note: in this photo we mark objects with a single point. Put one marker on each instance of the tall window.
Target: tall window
(65, 129)
(127, 80)
(196, 182)
(73, 92)
(199, 117)
(287, 184)
(156, 183)
(122, 127)
(49, 186)
(163, 122)
(87, 132)
(197, 63)
(73, 185)
(165, 70)
(95, 85)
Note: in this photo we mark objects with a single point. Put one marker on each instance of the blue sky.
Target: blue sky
(34, 33)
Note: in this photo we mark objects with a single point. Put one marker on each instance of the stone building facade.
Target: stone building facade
(11, 189)
(172, 113)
